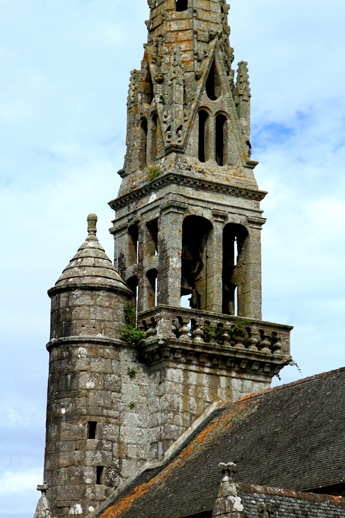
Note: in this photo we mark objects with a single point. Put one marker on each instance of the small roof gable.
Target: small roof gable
(288, 437)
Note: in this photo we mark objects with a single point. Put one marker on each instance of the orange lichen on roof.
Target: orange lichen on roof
(206, 437)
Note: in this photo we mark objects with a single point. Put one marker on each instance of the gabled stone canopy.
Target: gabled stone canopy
(186, 73)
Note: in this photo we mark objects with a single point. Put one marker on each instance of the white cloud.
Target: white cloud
(65, 68)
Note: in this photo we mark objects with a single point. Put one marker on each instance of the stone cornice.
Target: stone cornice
(91, 287)
(84, 339)
(188, 181)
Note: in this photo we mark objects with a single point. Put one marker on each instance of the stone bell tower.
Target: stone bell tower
(187, 259)
(188, 218)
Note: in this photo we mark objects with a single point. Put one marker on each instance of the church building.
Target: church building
(160, 365)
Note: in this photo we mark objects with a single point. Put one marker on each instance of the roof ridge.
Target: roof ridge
(287, 385)
(269, 490)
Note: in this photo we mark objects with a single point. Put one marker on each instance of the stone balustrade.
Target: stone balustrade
(224, 333)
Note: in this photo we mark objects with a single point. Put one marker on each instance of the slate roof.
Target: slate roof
(288, 437)
(290, 504)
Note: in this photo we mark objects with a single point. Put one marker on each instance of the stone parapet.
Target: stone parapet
(216, 340)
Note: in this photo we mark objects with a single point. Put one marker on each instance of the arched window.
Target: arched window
(221, 139)
(203, 142)
(194, 282)
(213, 84)
(235, 264)
(143, 144)
(181, 5)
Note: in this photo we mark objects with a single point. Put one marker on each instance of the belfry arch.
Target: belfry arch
(194, 276)
(235, 269)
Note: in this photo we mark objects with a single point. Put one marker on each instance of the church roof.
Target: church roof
(287, 437)
(90, 266)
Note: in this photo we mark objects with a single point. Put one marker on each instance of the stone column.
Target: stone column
(170, 260)
(251, 290)
(215, 263)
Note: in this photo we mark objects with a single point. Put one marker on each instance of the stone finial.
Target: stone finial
(228, 469)
(267, 510)
(228, 503)
(92, 225)
(42, 509)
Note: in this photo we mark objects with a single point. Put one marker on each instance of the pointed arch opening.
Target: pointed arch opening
(203, 138)
(147, 86)
(221, 139)
(235, 269)
(181, 5)
(213, 83)
(194, 275)
(143, 143)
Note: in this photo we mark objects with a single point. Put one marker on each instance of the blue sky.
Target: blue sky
(65, 68)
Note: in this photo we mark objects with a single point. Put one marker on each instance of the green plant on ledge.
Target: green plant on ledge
(131, 404)
(152, 173)
(132, 372)
(135, 337)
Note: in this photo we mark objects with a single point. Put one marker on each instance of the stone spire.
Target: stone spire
(187, 66)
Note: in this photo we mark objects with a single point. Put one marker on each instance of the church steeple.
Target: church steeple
(184, 98)
(188, 218)
(188, 146)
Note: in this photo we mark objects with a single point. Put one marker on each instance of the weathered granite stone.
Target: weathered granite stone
(187, 225)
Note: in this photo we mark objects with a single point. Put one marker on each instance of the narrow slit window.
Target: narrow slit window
(99, 473)
(143, 144)
(92, 429)
(153, 153)
(220, 139)
(181, 5)
(203, 123)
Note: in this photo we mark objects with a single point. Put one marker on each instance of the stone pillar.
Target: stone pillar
(251, 290)
(170, 261)
(215, 264)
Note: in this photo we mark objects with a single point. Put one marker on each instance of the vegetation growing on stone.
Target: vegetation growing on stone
(134, 336)
(153, 173)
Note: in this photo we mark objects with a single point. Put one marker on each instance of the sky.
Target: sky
(64, 67)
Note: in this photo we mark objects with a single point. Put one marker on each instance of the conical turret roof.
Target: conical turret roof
(91, 266)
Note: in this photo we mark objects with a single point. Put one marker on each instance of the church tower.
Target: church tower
(188, 218)
(142, 349)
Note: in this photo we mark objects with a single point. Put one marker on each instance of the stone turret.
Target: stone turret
(82, 441)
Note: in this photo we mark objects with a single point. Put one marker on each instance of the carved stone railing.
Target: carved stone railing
(218, 336)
